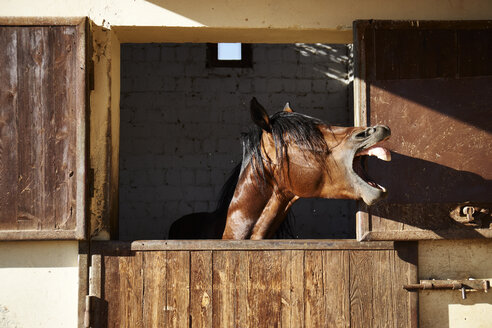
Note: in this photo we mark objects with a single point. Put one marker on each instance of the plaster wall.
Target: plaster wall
(332, 18)
(38, 284)
(459, 259)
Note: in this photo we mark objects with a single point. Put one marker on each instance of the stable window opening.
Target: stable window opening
(181, 126)
(229, 55)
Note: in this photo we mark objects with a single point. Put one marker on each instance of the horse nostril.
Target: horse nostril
(370, 131)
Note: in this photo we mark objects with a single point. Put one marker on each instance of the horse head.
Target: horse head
(294, 156)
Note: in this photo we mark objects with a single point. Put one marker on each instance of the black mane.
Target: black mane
(286, 127)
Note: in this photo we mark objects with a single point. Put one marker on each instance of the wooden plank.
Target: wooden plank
(264, 297)
(361, 279)
(84, 283)
(41, 20)
(201, 289)
(33, 58)
(131, 287)
(474, 52)
(8, 128)
(178, 289)
(62, 140)
(405, 270)
(154, 288)
(292, 289)
(224, 289)
(314, 309)
(242, 275)
(382, 290)
(197, 245)
(112, 298)
(336, 288)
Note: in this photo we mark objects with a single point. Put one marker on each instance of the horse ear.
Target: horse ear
(259, 115)
(287, 108)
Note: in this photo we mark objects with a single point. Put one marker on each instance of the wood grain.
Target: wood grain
(201, 289)
(42, 122)
(256, 288)
(178, 289)
(154, 288)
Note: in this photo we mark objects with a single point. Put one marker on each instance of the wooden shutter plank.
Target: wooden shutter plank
(63, 142)
(8, 128)
(33, 57)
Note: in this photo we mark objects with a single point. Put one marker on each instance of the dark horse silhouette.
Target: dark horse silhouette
(286, 157)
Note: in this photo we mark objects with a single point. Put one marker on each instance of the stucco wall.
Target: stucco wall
(461, 259)
(38, 284)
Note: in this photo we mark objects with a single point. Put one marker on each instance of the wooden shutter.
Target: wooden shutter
(42, 129)
(431, 82)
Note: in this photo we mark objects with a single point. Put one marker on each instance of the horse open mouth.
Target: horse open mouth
(377, 151)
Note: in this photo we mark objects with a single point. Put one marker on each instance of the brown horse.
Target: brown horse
(289, 156)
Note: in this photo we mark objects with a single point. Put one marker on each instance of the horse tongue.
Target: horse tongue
(380, 152)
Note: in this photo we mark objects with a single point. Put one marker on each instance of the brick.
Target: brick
(168, 54)
(274, 85)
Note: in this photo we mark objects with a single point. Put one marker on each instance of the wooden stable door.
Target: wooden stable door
(431, 82)
(42, 128)
(302, 283)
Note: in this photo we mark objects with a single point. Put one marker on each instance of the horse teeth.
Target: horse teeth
(380, 152)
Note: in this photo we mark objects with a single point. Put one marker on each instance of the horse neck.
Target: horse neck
(255, 207)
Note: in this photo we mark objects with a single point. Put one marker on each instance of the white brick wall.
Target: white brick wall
(181, 124)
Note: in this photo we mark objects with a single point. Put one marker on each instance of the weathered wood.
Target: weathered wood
(361, 284)
(224, 277)
(42, 144)
(437, 77)
(201, 289)
(292, 292)
(314, 314)
(112, 293)
(256, 288)
(319, 244)
(336, 289)
(264, 296)
(178, 289)
(154, 290)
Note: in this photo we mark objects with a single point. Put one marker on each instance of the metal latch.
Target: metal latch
(476, 215)
(462, 285)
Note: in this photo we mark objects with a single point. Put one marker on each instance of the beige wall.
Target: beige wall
(463, 259)
(234, 19)
(38, 284)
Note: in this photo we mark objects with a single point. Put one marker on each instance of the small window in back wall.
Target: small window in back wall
(229, 55)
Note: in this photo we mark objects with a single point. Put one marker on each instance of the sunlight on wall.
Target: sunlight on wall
(38, 284)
